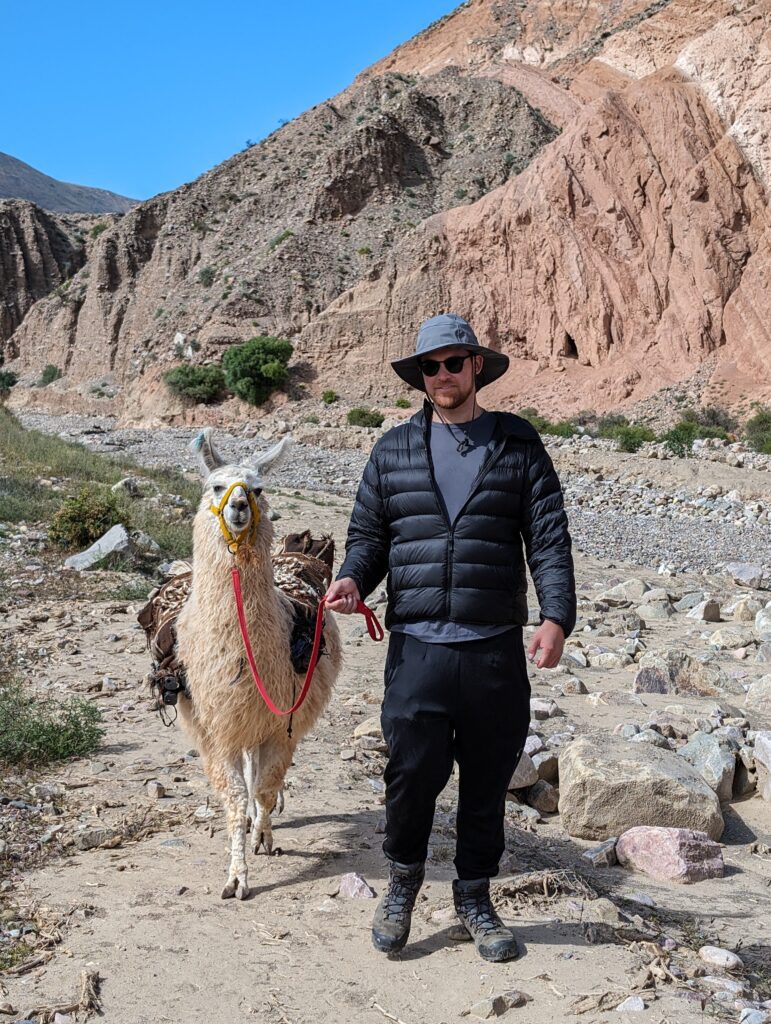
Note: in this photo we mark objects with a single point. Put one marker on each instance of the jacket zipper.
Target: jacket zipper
(483, 469)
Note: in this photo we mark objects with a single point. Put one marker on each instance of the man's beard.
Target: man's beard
(452, 399)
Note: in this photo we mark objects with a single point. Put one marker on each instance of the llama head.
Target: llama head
(243, 500)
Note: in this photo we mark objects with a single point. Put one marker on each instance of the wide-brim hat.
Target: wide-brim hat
(443, 331)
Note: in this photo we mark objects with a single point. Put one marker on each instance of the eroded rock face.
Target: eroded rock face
(38, 252)
(608, 785)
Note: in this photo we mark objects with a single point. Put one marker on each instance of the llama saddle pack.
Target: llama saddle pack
(302, 570)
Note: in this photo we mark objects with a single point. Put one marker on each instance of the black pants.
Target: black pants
(468, 702)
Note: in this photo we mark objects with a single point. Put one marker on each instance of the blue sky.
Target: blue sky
(139, 98)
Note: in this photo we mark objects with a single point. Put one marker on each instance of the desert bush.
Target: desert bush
(97, 229)
(329, 397)
(563, 428)
(757, 431)
(681, 437)
(35, 730)
(49, 374)
(402, 403)
(364, 251)
(256, 368)
(206, 276)
(711, 416)
(282, 237)
(608, 426)
(7, 380)
(84, 517)
(360, 417)
(632, 436)
(197, 383)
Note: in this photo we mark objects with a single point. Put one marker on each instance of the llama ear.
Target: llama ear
(273, 456)
(209, 458)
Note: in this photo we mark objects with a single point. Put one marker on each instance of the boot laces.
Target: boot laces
(479, 912)
(401, 894)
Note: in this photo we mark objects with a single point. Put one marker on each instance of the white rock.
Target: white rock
(723, 958)
(633, 1004)
(525, 774)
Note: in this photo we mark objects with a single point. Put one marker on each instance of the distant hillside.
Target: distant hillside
(20, 181)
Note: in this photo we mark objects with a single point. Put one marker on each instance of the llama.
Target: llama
(246, 750)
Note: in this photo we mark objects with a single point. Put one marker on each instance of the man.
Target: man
(445, 502)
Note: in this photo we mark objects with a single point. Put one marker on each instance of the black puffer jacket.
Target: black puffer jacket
(472, 570)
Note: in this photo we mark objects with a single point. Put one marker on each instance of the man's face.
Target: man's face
(450, 390)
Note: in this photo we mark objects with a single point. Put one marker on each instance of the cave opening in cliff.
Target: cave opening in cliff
(569, 348)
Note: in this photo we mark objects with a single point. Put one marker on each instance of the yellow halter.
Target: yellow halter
(249, 533)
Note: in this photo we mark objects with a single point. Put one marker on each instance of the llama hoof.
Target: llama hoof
(279, 802)
(230, 889)
(264, 839)
(242, 892)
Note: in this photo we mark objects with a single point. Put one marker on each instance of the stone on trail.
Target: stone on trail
(542, 708)
(689, 601)
(743, 609)
(687, 675)
(570, 686)
(655, 610)
(547, 765)
(543, 796)
(747, 574)
(156, 789)
(723, 958)
(115, 542)
(651, 679)
(604, 855)
(632, 1004)
(763, 624)
(534, 745)
(764, 653)
(622, 593)
(651, 736)
(763, 763)
(713, 760)
(369, 727)
(525, 774)
(608, 785)
(610, 659)
(706, 611)
(758, 701)
(729, 639)
(670, 854)
(353, 887)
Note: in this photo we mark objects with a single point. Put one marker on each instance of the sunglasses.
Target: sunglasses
(430, 367)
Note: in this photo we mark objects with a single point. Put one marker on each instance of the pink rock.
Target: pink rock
(354, 887)
(670, 854)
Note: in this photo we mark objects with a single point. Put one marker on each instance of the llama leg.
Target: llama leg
(249, 770)
(236, 799)
(273, 759)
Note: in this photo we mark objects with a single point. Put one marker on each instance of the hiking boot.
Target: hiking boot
(493, 940)
(391, 926)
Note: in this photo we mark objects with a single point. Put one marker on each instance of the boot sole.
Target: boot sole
(389, 945)
(492, 956)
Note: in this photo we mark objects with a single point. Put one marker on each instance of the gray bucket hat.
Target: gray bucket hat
(441, 332)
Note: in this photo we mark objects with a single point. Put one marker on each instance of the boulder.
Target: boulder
(763, 763)
(610, 660)
(608, 785)
(685, 674)
(623, 593)
(689, 601)
(764, 653)
(713, 760)
(705, 611)
(763, 624)
(757, 702)
(543, 796)
(670, 854)
(542, 708)
(655, 610)
(369, 727)
(728, 639)
(525, 774)
(547, 765)
(115, 542)
(747, 574)
(743, 609)
(604, 855)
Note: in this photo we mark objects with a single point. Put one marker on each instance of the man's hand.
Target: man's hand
(343, 596)
(550, 639)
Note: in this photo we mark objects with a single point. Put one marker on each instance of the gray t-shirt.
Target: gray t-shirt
(454, 474)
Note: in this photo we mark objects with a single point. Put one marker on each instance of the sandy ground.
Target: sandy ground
(149, 919)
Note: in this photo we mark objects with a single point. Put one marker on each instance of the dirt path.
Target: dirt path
(169, 950)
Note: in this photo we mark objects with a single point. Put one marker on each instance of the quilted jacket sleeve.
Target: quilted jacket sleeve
(368, 541)
(547, 541)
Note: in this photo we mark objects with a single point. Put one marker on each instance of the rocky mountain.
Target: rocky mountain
(20, 181)
(589, 185)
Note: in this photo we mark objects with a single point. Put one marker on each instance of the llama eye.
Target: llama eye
(218, 488)
(257, 491)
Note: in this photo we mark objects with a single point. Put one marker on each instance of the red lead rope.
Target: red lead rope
(374, 629)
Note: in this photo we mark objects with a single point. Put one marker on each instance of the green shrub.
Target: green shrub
(206, 276)
(274, 242)
(313, 419)
(257, 367)
(757, 431)
(359, 417)
(461, 193)
(97, 229)
(197, 383)
(7, 380)
(49, 375)
(632, 437)
(608, 426)
(82, 519)
(35, 730)
(681, 437)
(564, 428)
(711, 416)
(329, 397)
(402, 403)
